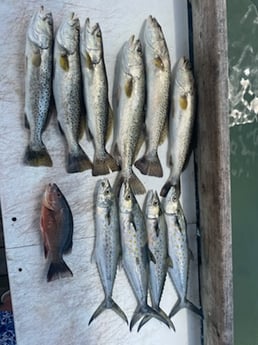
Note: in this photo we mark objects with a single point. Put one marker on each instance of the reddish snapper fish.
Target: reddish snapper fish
(56, 224)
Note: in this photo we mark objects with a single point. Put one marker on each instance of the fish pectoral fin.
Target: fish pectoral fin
(129, 86)
(64, 62)
(88, 61)
(158, 62)
(183, 103)
(151, 256)
(26, 122)
(36, 59)
(170, 262)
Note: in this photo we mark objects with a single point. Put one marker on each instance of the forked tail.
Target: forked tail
(78, 161)
(135, 184)
(104, 165)
(108, 303)
(149, 165)
(146, 318)
(185, 303)
(37, 158)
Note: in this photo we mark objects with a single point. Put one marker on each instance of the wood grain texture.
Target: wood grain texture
(211, 71)
(58, 312)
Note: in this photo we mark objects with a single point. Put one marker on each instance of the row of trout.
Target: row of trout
(145, 98)
(149, 242)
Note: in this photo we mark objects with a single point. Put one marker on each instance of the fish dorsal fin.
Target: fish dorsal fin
(64, 62)
(109, 122)
(164, 132)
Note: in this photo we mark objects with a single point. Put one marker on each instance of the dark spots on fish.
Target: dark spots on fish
(183, 102)
(108, 217)
(129, 87)
(14, 219)
(20, 269)
(36, 59)
(156, 228)
(159, 63)
(64, 62)
(88, 61)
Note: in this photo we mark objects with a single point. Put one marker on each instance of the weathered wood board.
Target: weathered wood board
(58, 312)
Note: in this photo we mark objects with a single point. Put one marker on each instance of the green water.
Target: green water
(243, 72)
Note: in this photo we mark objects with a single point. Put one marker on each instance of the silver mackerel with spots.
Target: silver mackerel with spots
(107, 247)
(38, 85)
(178, 250)
(67, 90)
(135, 253)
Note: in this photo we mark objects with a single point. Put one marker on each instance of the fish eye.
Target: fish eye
(98, 34)
(174, 199)
(58, 195)
(107, 192)
(128, 197)
(155, 203)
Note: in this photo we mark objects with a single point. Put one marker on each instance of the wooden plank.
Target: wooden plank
(211, 71)
(58, 312)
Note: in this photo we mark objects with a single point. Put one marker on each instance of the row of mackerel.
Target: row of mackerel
(149, 250)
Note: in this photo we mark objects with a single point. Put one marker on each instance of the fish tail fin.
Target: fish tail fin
(146, 310)
(103, 165)
(185, 303)
(58, 269)
(108, 303)
(136, 184)
(166, 187)
(78, 161)
(150, 165)
(162, 314)
(37, 158)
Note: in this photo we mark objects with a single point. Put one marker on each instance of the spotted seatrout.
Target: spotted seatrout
(128, 103)
(158, 75)
(178, 251)
(107, 244)
(135, 253)
(181, 121)
(95, 91)
(67, 90)
(38, 85)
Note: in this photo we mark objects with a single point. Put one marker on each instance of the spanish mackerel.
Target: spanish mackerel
(178, 251)
(135, 253)
(107, 244)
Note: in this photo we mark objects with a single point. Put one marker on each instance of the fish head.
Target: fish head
(132, 54)
(52, 197)
(68, 33)
(126, 198)
(40, 30)
(184, 76)
(152, 205)
(104, 193)
(92, 41)
(151, 32)
(171, 203)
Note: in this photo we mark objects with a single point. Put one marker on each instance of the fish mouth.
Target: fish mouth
(152, 203)
(135, 45)
(73, 21)
(171, 201)
(46, 16)
(185, 63)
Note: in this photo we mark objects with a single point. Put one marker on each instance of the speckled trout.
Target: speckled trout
(107, 244)
(67, 90)
(95, 91)
(158, 75)
(181, 120)
(128, 103)
(38, 85)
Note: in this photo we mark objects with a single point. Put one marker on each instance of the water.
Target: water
(243, 102)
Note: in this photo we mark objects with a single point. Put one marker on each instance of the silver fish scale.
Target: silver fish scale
(134, 249)
(178, 251)
(158, 270)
